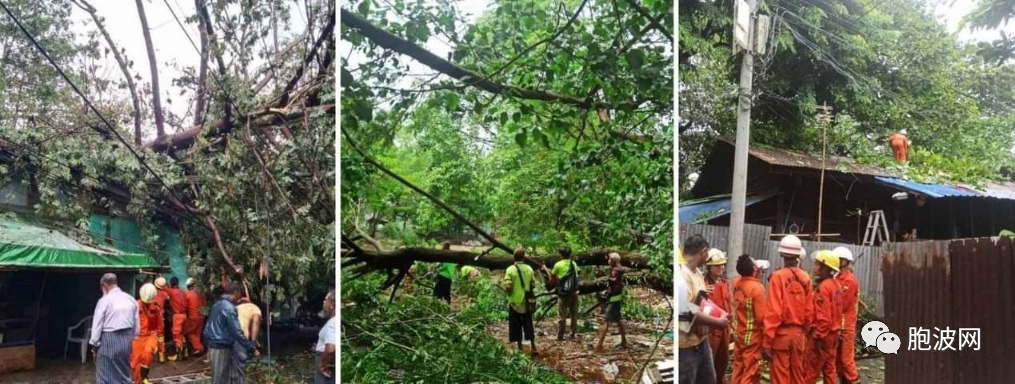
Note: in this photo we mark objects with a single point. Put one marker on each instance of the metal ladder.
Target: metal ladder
(877, 228)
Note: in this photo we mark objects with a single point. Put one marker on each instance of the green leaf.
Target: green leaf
(364, 8)
(520, 138)
(452, 100)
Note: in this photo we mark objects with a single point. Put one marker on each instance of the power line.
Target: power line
(88, 103)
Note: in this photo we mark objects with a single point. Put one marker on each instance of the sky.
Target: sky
(171, 44)
(438, 45)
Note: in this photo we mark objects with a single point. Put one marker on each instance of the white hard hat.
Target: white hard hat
(716, 257)
(148, 292)
(903, 132)
(790, 245)
(761, 264)
(844, 253)
(190, 282)
(160, 282)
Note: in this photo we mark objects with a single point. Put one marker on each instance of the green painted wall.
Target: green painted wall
(125, 235)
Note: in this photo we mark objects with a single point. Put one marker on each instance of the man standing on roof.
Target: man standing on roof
(162, 300)
(788, 316)
(719, 292)
(900, 145)
(749, 311)
(146, 342)
(824, 330)
(195, 320)
(178, 304)
(846, 364)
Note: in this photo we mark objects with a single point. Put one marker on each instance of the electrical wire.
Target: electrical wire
(109, 126)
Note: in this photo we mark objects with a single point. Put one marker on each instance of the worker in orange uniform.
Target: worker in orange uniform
(178, 304)
(788, 316)
(749, 311)
(195, 320)
(719, 292)
(150, 326)
(900, 144)
(824, 330)
(846, 363)
(162, 299)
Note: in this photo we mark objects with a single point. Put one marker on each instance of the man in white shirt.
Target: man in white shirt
(326, 344)
(114, 326)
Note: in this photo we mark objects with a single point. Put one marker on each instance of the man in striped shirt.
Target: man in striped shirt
(748, 325)
(114, 326)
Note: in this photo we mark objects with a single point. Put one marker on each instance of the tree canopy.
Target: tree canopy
(245, 177)
(883, 66)
(559, 133)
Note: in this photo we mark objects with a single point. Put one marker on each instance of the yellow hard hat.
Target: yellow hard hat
(160, 282)
(680, 256)
(829, 258)
(716, 257)
(148, 292)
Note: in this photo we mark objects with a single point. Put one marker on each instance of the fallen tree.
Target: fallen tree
(361, 261)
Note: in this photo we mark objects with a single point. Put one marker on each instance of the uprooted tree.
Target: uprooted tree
(542, 127)
(245, 176)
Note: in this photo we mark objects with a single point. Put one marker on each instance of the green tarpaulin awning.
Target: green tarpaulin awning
(25, 245)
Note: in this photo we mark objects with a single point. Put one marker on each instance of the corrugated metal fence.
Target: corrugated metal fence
(966, 283)
(758, 244)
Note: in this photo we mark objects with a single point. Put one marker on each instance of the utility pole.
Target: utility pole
(736, 240)
(824, 118)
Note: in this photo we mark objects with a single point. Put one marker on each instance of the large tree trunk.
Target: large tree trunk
(160, 128)
(202, 77)
(122, 62)
(361, 261)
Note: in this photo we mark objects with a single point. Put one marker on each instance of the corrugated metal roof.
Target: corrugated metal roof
(698, 212)
(801, 160)
(996, 190)
(929, 190)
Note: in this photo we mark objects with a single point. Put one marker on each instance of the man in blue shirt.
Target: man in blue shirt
(221, 333)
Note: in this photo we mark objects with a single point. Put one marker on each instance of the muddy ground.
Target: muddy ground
(291, 354)
(872, 371)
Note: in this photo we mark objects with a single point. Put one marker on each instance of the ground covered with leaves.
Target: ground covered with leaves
(418, 339)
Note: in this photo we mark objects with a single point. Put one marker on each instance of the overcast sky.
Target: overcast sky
(173, 51)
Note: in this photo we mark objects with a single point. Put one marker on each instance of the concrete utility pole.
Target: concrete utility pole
(736, 240)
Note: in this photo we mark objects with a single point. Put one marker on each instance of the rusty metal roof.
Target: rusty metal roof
(789, 158)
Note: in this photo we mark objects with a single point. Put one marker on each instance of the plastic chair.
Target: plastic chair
(87, 324)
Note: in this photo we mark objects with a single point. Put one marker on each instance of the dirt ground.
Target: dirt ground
(73, 372)
(872, 371)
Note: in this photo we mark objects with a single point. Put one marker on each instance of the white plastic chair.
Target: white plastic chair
(87, 324)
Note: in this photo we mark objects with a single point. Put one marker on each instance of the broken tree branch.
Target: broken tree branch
(652, 21)
(434, 199)
(160, 125)
(389, 41)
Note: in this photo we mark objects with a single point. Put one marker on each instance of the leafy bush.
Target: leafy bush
(417, 340)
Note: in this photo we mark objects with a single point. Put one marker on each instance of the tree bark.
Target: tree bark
(389, 41)
(122, 62)
(160, 129)
(361, 261)
(202, 76)
(262, 118)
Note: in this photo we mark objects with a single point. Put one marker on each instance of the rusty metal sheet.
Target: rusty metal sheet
(917, 293)
(982, 286)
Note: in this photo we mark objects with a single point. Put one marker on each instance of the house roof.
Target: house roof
(892, 178)
(795, 159)
(25, 245)
(702, 210)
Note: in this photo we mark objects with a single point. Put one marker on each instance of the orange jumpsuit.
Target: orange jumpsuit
(899, 143)
(162, 300)
(178, 303)
(150, 326)
(824, 332)
(718, 338)
(195, 321)
(749, 312)
(850, 299)
(787, 319)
